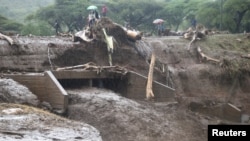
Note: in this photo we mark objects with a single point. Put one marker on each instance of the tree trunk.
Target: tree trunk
(238, 19)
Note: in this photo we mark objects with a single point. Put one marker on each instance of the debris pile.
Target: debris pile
(119, 33)
(93, 67)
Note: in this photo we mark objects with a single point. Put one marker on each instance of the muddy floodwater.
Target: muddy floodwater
(119, 118)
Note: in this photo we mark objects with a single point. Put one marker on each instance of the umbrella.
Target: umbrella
(92, 7)
(158, 21)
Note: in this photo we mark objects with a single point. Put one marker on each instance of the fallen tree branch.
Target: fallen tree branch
(133, 35)
(12, 133)
(92, 67)
(246, 56)
(204, 56)
(149, 88)
(84, 66)
(193, 39)
(7, 38)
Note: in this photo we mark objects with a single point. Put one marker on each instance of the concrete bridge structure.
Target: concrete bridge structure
(50, 86)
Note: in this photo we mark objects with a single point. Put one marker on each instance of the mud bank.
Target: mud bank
(119, 118)
(192, 77)
(201, 86)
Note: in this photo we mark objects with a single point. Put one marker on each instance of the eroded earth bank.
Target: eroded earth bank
(206, 92)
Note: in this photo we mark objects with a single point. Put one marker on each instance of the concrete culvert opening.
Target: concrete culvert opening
(115, 84)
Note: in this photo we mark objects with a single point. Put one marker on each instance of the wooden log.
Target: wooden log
(149, 88)
(134, 35)
(7, 38)
(92, 67)
(82, 36)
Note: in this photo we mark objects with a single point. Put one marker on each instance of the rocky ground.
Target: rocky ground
(24, 121)
(203, 89)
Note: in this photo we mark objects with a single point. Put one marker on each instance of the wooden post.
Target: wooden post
(149, 88)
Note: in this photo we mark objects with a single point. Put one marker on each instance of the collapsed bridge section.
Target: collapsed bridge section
(50, 86)
(131, 85)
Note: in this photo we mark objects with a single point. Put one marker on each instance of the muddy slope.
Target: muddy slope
(226, 81)
(198, 83)
(195, 78)
(119, 118)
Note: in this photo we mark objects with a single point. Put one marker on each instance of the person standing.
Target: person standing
(91, 18)
(193, 23)
(104, 10)
(57, 27)
(97, 16)
(160, 28)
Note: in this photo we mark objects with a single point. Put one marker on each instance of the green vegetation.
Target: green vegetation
(14, 16)
(17, 10)
(9, 25)
(230, 15)
(40, 28)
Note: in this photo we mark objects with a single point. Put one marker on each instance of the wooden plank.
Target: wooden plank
(56, 92)
(83, 74)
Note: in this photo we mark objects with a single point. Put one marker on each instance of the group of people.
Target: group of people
(92, 18)
(94, 15)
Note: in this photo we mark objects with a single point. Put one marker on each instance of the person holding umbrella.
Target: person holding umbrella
(91, 18)
(92, 15)
(160, 29)
(159, 26)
